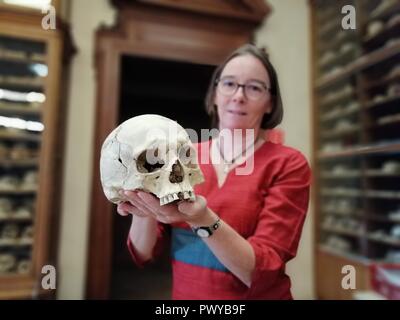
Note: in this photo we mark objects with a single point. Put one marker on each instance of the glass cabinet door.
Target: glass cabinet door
(23, 72)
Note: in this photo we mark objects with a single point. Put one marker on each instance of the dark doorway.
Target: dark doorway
(175, 90)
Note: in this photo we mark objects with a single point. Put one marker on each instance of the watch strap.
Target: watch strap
(210, 229)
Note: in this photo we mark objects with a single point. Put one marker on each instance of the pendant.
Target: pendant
(226, 167)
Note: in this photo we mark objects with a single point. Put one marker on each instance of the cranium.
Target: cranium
(150, 153)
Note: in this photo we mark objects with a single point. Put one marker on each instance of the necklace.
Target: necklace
(228, 164)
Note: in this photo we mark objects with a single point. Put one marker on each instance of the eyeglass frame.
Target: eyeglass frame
(267, 89)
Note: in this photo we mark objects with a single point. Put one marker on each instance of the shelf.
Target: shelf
(336, 43)
(383, 35)
(346, 56)
(351, 193)
(339, 99)
(343, 231)
(386, 101)
(19, 110)
(358, 214)
(393, 242)
(382, 194)
(380, 173)
(19, 136)
(19, 163)
(17, 192)
(327, 15)
(339, 114)
(367, 150)
(23, 60)
(382, 82)
(347, 255)
(329, 27)
(380, 218)
(344, 213)
(4, 243)
(361, 63)
(389, 121)
(386, 12)
(344, 175)
(15, 219)
(21, 87)
(341, 193)
(334, 133)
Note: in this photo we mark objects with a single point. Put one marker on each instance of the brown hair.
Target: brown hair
(270, 120)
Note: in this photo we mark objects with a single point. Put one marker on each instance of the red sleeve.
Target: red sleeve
(161, 232)
(281, 220)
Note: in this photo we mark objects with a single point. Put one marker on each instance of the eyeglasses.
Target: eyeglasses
(253, 90)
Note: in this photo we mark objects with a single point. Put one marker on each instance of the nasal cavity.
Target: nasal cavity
(176, 174)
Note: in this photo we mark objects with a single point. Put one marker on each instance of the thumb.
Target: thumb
(188, 207)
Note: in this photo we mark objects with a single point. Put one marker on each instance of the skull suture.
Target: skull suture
(150, 153)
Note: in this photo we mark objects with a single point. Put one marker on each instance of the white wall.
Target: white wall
(286, 36)
(85, 17)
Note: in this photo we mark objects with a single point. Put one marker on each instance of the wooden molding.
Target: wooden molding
(247, 10)
(55, 3)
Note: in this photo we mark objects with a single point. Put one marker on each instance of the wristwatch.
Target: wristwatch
(207, 231)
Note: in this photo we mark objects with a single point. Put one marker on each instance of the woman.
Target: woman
(250, 224)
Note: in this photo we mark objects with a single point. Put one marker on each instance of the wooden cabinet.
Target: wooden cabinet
(356, 130)
(31, 143)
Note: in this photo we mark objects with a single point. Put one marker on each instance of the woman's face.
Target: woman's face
(238, 111)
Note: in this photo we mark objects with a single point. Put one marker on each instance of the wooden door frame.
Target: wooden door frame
(152, 32)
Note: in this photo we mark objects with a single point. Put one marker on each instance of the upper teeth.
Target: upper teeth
(175, 196)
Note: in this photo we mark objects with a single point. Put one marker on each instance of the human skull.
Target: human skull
(150, 153)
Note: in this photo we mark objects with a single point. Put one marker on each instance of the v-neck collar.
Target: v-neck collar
(228, 174)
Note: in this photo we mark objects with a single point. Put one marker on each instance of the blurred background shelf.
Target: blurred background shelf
(19, 136)
(19, 163)
(32, 74)
(356, 134)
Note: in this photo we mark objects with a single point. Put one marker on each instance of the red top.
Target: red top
(267, 208)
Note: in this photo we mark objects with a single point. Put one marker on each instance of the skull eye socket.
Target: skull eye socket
(187, 156)
(149, 161)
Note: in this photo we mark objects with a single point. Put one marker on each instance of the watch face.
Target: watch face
(203, 233)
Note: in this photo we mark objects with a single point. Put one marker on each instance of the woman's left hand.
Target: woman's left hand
(182, 211)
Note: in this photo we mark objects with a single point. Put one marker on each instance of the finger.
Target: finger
(126, 208)
(165, 214)
(134, 199)
(153, 203)
(150, 201)
(121, 212)
(139, 203)
(193, 207)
